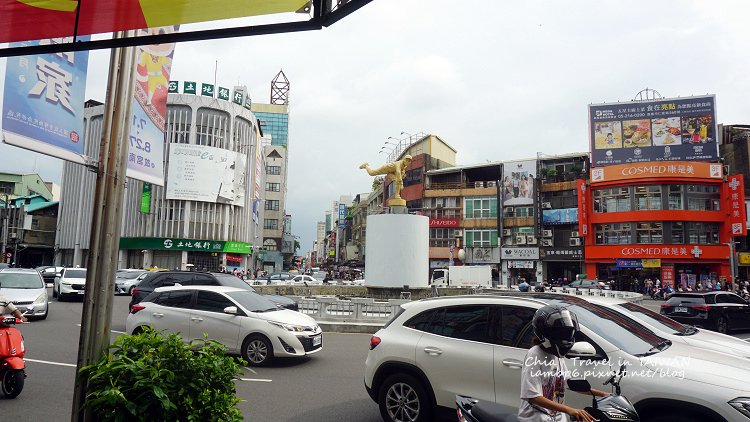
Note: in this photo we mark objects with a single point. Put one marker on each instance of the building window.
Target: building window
(703, 204)
(648, 197)
(650, 232)
(272, 204)
(675, 197)
(612, 200)
(481, 238)
(484, 207)
(678, 232)
(703, 233)
(273, 187)
(524, 211)
(270, 245)
(440, 237)
(613, 234)
(271, 224)
(413, 177)
(273, 170)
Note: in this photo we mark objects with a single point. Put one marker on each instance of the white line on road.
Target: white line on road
(114, 331)
(49, 363)
(254, 379)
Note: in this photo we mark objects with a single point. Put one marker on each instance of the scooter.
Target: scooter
(605, 409)
(12, 350)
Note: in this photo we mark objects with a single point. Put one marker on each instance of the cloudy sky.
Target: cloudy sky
(497, 80)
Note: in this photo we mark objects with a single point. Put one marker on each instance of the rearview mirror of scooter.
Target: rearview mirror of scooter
(579, 386)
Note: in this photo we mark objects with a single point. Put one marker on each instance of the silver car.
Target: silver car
(26, 290)
(126, 280)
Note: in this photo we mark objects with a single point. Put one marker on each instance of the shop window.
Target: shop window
(613, 234)
(650, 232)
(678, 232)
(675, 197)
(648, 197)
(703, 233)
(612, 200)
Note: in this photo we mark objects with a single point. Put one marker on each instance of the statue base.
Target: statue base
(396, 202)
(398, 251)
(399, 210)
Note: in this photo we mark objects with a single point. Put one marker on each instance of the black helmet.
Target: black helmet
(556, 328)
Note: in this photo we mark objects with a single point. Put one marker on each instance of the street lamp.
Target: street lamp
(732, 261)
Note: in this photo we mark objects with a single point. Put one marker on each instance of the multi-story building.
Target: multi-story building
(14, 185)
(359, 227)
(273, 208)
(319, 244)
(561, 248)
(186, 222)
(734, 149)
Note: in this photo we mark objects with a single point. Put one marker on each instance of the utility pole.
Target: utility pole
(106, 221)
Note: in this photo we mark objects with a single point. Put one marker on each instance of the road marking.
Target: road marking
(49, 363)
(254, 379)
(114, 331)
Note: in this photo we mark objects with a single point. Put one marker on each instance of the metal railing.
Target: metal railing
(356, 310)
(462, 185)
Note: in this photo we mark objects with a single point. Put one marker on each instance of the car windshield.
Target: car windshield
(655, 320)
(20, 281)
(622, 332)
(688, 299)
(78, 273)
(128, 275)
(253, 302)
(231, 281)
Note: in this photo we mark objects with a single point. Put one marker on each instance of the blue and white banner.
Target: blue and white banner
(43, 101)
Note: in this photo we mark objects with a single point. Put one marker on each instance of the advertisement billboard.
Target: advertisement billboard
(518, 182)
(671, 169)
(43, 101)
(735, 198)
(676, 129)
(207, 174)
(560, 216)
(146, 150)
(583, 208)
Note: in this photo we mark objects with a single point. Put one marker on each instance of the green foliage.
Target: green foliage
(376, 183)
(149, 377)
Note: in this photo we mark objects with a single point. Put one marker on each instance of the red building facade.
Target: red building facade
(669, 220)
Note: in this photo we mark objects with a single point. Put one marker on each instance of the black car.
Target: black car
(192, 278)
(716, 310)
(49, 273)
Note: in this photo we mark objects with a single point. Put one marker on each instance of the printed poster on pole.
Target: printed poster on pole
(43, 102)
(146, 150)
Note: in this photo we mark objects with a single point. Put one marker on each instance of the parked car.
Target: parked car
(716, 310)
(49, 273)
(70, 283)
(278, 278)
(305, 279)
(475, 345)
(154, 280)
(245, 322)
(587, 284)
(126, 280)
(26, 289)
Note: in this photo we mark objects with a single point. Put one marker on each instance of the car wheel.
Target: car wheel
(403, 398)
(138, 330)
(61, 297)
(257, 350)
(722, 325)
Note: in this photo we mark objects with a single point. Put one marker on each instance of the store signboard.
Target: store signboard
(651, 262)
(342, 216)
(521, 264)
(667, 275)
(628, 263)
(583, 208)
(686, 252)
(560, 216)
(43, 101)
(445, 222)
(735, 200)
(562, 254)
(518, 183)
(744, 258)
(482, 255)
(671, 129)
(520, 253)
(672, 169)
(177, 244)
(207, 174)
(146, 198)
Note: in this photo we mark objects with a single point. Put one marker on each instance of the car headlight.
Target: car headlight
(67, 282)
(742, 404)
(289, 327)
(42, 298)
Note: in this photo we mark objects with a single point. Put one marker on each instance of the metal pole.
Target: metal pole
(5, 227)
(106, 221)
(732, 261)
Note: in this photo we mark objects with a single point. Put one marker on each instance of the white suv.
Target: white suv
(434, 349)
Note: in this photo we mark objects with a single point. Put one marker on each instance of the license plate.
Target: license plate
(680, 309)
(80, 292)
(317, 340)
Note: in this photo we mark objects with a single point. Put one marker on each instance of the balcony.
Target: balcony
(518, 221)
(554, 186)
(481, 188)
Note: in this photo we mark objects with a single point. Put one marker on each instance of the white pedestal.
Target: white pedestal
(398, 251)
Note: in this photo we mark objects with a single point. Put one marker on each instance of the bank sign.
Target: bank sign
(676, 129)
(176, 244)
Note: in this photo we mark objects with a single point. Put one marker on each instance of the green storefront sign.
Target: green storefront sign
(177, 244)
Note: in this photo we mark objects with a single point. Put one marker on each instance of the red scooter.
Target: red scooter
(12, 349)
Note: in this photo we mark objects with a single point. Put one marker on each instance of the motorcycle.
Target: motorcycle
(613, 407)
(12, 350)
(664, 293)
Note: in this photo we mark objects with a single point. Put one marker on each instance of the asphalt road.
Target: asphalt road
(327, 386)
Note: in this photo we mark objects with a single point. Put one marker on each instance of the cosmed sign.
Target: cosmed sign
(677, 129)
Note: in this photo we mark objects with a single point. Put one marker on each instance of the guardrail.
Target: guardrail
(614, 294)
(356, 310)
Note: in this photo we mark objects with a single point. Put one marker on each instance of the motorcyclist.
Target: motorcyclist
(544, 371)
(7, 307)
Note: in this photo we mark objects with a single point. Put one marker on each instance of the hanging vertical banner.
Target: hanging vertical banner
(735, 199)
(258, 176)
(583, 206)
(43, 101)
(146, 198)
(146, 152)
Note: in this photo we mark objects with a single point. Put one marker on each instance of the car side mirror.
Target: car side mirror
(579, 386)
(231, 310)
(581, 349)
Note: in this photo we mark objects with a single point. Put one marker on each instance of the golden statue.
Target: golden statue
(394, 171)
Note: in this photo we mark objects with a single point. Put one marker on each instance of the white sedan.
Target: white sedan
(245, 322)
(305, 279)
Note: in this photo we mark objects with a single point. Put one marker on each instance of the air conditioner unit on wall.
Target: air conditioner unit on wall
(458, 233)
(547, 205)
(520, 240)
(546, 242)
(574, 234)
(531, 240)
(575, 242)
(507, 232)
(546, 233)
